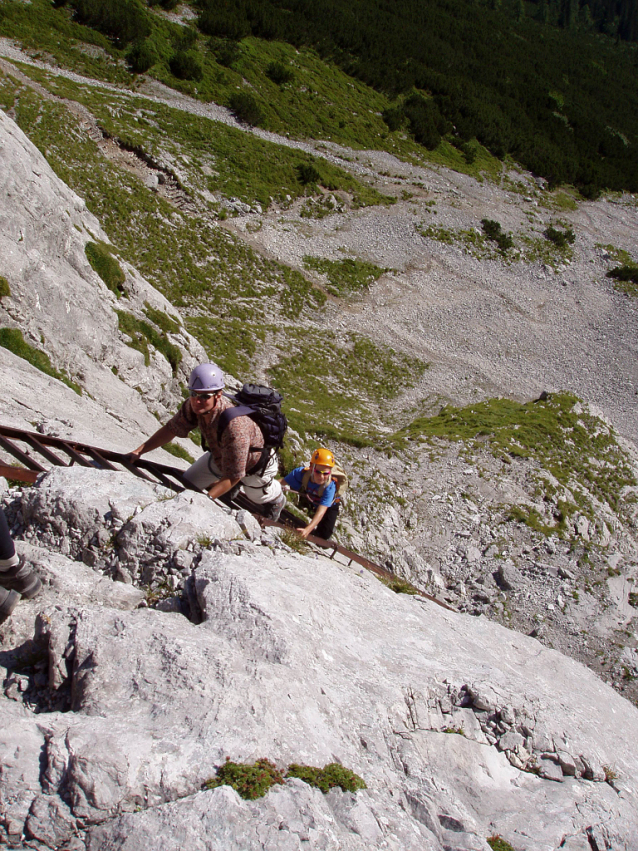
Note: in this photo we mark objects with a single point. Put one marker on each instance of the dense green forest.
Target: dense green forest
(551, 84)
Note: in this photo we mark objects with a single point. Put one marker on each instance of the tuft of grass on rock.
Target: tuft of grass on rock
(141, 333)
(100, 256)
(398, 585)
(5, 289)
(12, 339)
(249, 781)
(326, 778)
(497, 843)
(178, 451)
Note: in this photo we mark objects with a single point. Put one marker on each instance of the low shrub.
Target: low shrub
(327, 778)
(560, 238)
(308, 174)
(249, 781)
(246, 108)
(102, 261)
(5, 289)
(399, 586)
(179, 452)
(624, 273)
(225, 51)
(142, 56)
(497, 843)
(280, 73)
(186, 65)
(493, 231)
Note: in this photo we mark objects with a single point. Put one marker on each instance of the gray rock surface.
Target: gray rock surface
(123, 713)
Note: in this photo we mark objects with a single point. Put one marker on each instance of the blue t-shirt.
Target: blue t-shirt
(295, 481)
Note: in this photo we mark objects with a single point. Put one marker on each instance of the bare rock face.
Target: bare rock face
(116, 716)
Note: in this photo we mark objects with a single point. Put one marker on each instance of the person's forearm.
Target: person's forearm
(221, 487)
(162, 436)
(316, 520)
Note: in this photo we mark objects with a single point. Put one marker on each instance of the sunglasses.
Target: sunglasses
(323, 472)
(203, 396)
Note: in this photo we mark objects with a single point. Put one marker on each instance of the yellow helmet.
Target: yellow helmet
(323, 456)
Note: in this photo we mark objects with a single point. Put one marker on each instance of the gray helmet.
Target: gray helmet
(207, 378)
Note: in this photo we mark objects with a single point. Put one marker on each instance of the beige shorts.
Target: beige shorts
(259, 489)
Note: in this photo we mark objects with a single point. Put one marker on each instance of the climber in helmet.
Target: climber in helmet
(318, 491)
(232, 459)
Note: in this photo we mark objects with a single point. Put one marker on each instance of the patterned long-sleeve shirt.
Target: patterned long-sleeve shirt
(232, 453)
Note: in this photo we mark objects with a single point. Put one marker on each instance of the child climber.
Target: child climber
(316, 485)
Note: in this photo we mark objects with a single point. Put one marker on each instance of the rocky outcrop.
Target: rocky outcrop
(459, 727)
(64, 308)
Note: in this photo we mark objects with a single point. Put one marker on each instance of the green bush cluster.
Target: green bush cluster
(329, 777)
(12, 339)
(246, 108)
(493, 231)
(624, 273)
(179, 452)
(560, 238)
(279, 73)
(102, 261)
(142, 333)
(252, 781)
(399, 586)
(5, 289)
(121, 20)
(249, 781)
(497, 843)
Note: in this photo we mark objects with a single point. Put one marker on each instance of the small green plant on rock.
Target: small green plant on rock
(179, 452)
(328, 777)
(291, 538)
(399, 586)
(102, 261)
(12, 339)
(249, 781)
(497, 843)
(5, 290)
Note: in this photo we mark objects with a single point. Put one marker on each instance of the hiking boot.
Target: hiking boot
(273, 509)
(8, 601)
(21, 578)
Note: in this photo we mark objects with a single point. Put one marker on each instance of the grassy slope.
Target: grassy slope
(236, 301)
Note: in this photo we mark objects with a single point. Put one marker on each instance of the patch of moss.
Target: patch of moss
(328, 777)
(12, 339)
(141, 333)
(99, 255)
(249, 781)
(5, 290)
(497, 843)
